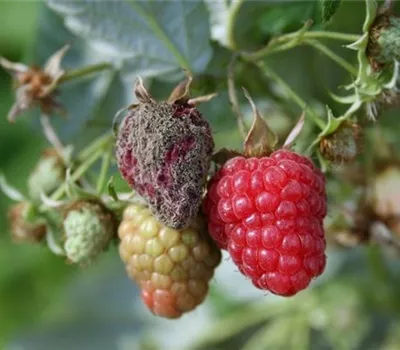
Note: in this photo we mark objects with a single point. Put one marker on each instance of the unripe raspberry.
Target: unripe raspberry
(343, 145)
(384, 44)
(268, 213)
(24, 231)
(47, 176)
(88, 229)
(385, 197)
(173, 268)
(163, 151)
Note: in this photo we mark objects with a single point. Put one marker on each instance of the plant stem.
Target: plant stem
(273, 45)
(233, 11)
(321, 34)
(291, 93)
(233, 97)
(96, 144)
(80, 170)
(334, 57)
(377, 264)
(84, 71)
(101, 181)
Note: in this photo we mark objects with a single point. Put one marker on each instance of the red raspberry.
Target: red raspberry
(268, 213)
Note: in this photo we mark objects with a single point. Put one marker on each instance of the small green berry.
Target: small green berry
(88, 227)
(24, 230)
(47, 176)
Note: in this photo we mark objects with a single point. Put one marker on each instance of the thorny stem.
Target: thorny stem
(81, 72)
(291, 93)
(51, 134)
(334, 57)
(272, 45)
(233, 97)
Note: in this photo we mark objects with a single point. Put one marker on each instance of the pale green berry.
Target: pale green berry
(88, 228)
(47, 176)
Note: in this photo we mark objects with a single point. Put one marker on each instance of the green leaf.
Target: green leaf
(288, 17)
(147, 38)
(329, 8)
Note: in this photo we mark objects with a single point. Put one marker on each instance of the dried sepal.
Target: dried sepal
(54, 246)
(10, 191)
(202, 99)
(141, 93)
(35, 86)
(52, 66)
(260, 140)
(295, 131)
(13, 68)
(181, 92)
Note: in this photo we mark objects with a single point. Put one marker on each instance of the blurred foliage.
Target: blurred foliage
(30, 277)
(47, 304)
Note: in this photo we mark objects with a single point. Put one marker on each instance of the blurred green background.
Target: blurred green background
(46, 304)
(30, 276)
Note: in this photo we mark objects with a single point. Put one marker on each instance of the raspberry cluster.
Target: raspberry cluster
(173, 268)
(268, 213)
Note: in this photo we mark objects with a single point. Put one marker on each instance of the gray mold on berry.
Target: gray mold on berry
(164, 151)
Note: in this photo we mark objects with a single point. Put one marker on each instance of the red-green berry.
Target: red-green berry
(173, 268)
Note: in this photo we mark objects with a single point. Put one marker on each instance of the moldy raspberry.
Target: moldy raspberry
(268, 212)
(163, 151)
(384, 44)
(173, 268)
(343, 145)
